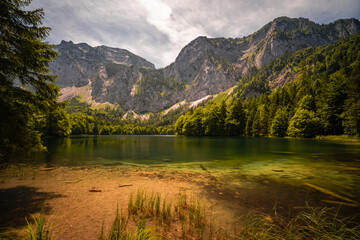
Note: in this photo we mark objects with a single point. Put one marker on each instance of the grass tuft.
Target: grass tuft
(313, 223)
(42, 229)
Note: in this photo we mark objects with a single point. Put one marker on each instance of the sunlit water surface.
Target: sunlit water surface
(330, 167)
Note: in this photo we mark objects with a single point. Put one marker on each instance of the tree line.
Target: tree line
(107, 121)
(323, 100)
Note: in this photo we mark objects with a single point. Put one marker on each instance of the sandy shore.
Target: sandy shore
(76, 213)
(62, 193)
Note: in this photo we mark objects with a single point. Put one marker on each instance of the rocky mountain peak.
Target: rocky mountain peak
(204, 67)
(346, 27)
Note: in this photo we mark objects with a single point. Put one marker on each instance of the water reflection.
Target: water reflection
(238, 151)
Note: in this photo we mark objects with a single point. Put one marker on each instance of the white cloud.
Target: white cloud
(158, 29)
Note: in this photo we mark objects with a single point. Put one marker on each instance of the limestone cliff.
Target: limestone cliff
(204, 67)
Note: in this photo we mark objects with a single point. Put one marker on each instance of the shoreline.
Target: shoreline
(64, 196)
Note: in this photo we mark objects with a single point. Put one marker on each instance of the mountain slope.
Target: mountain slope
(323, 99)
(203, 67)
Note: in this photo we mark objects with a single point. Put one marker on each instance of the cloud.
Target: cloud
(158, 29)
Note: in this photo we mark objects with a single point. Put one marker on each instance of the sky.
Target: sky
(157, 30)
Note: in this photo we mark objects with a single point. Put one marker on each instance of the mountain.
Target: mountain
(323, 99)
(78, 64)
(204, 67)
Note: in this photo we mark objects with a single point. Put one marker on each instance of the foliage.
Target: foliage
(236, 119)
(303, 124)
(111, 121)
(27, 95)
(323, 100)
(150, 215)
(312, 223)
(42, 231)
(279, 124)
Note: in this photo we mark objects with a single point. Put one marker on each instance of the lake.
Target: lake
(261, 167)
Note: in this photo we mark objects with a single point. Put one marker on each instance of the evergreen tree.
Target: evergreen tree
(351, 121)
(279, 124)
(236, 119)
(303, 124)
(193, 126)
(263, 120)
(212, 120)
(26, 91)
(332, 104)
(255, 128)
(179, 125)
(307, 103)
(222, 118)
(58, 122)
(249, 122)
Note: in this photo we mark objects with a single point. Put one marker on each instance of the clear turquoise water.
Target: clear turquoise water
(243, 163)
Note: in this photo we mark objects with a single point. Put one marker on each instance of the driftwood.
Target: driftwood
(94, 189)
(125, 185)
(75, 181)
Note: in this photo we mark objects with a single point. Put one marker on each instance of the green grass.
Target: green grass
(42, 230)
(154, 216)
(312, 223)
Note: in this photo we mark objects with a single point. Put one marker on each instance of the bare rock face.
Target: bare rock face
(78, 64)
(203, 67)
(286, 36)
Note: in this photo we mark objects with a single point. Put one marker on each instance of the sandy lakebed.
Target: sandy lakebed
(78, 201)
(64, 195)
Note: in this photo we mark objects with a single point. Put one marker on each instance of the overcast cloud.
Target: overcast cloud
(158, 29)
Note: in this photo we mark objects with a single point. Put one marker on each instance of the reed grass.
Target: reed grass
(179, 218)
(42, 231)
(312, 223)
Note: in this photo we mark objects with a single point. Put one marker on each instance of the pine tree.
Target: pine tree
(236, 119)
(26, 91)
(279, 124)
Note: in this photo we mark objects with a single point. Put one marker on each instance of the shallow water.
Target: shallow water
(330, 168)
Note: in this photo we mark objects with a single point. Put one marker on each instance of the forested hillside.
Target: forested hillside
(323, 99)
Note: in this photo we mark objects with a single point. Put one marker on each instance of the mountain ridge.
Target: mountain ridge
(204, 67)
